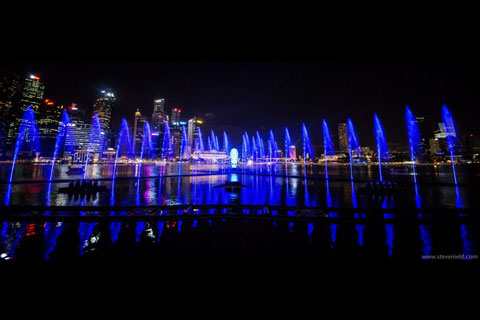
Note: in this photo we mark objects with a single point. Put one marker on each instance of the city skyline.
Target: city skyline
(106, 105)
(268, 94)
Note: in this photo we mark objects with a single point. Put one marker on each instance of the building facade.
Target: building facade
(138, 132)
(103, 107)
(159, 118)
(9, 95)
(342, 137)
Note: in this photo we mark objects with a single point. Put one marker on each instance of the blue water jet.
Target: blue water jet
(413, 139)
(184, 145)
(96, 140)
(63, 128)
(226, 146)
(167, 149)
(451, 133)
(147, 143)
(327, 145)
(288, 143)
(307, 146)
(382, 149)
(28, 133)
(353, 144)
(199, 147)
(123, 138)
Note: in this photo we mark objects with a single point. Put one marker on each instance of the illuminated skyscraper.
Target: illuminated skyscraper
(32, 94)
(103, 106)
(175, 115)
(343, 137)
(9, 94)
(292, 153)
(192, 130)
(159, 117)
(48, 121)
(138, 132)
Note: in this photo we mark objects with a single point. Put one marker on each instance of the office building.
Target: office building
(9, 95)
(48, 121)
(175, 118)
(193, 124)
(159, 118)
(138, 132)
(103, 107)
(343, 137)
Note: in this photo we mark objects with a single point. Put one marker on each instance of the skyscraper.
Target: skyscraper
(103, 107)
(31, 95)
(159, 117)
(426, 133)
(175, 115)
(48, 121)
(192, 131)
(292, 153)
(138, 132)
(9, 92)
(343, 137)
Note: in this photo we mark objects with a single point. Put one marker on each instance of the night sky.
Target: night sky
(247, 96)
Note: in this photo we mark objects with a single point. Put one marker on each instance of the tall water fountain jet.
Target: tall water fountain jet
(328, 149)
(217, 145)
(184, 145)
(288, 143)
(95, 141)
(209, 144)
(382, 149)
(273, 144)
(213, 141)
(254, 150)
(353, 144)
(244, 148)
(123, 138)
(413, 139)
(199, 144)
(260, 146)
(147, 143)
(226, 146)
(167, 150)
(62, 132)
(307, 146)
(451, 132)
(27, 132)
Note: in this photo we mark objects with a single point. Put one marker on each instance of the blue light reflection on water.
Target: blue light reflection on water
(465, 235)
(389, 229)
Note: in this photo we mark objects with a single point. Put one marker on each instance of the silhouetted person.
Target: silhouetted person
(95, 186)
(71, 185)
(83, 186)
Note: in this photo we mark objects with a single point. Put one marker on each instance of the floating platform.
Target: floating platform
(232, 186)
(75, 170)
(82, 191)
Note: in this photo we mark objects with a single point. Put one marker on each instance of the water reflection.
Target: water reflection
(11, 234)
(358, 227)
(388, 229)
(333, 226)
(52, 231)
